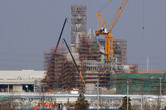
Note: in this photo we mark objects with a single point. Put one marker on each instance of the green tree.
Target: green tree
(124, 104)
(81, 103)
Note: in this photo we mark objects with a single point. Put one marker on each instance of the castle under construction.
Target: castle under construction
(89, 54)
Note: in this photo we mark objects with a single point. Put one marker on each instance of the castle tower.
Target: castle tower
(78, 22)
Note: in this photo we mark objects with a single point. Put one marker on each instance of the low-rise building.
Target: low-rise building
(20, 81)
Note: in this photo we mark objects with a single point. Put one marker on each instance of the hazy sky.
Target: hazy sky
(28, 28)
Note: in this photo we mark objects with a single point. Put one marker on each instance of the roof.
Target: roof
(20, 75)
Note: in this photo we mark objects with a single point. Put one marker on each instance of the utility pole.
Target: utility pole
(147, 64)
(160, 93)
(43, 97)
(11, 103)
(97, 94)
(142, 101)
(127, 95)
(141, 85)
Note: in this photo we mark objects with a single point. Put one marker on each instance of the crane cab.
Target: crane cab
(74, 91)
(102, 31)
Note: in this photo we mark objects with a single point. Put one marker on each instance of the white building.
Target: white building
(20, 81)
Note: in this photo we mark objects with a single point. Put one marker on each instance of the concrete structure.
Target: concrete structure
(89, 55)
(78, 22)
(20, 81)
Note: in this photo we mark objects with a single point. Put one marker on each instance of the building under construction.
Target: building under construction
(60, 71)
(78, 22)
(62, 74)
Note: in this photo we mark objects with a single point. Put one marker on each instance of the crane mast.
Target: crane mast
(103, 30)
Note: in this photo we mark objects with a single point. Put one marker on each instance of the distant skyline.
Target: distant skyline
(28, 28)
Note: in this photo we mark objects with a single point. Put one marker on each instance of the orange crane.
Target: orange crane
(44, 104)
(103, 30)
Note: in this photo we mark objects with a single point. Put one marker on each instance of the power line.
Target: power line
(19, 54)
(19, 60)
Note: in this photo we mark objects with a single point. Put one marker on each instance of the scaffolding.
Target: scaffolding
(69, 76)
(62, 74)
(119, 50)
(142, 84)
(87, 50)
(54, 62)
(78, 22)
(90, 57)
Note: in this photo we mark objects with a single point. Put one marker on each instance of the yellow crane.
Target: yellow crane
(103, 30)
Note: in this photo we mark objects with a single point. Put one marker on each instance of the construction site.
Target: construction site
(96, 57)
(100, 59)
(94, 63)
(92, 60)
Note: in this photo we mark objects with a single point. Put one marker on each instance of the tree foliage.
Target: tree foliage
(124, 104)
(81, 103)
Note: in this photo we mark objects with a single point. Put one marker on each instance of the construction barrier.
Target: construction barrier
(68, 109)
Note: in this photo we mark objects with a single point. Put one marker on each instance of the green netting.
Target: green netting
(95, 46)
(107, 60)
(145, 83)
(4, 98)
(112, 82)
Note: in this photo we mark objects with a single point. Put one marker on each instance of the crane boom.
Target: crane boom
(61, 34)
(117, 15)
(108, 33)
(57, 43)
(98, 21)
(75, 64)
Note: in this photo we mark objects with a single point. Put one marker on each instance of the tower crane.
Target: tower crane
(103, 30)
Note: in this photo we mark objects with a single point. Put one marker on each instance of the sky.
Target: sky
(28, 28)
